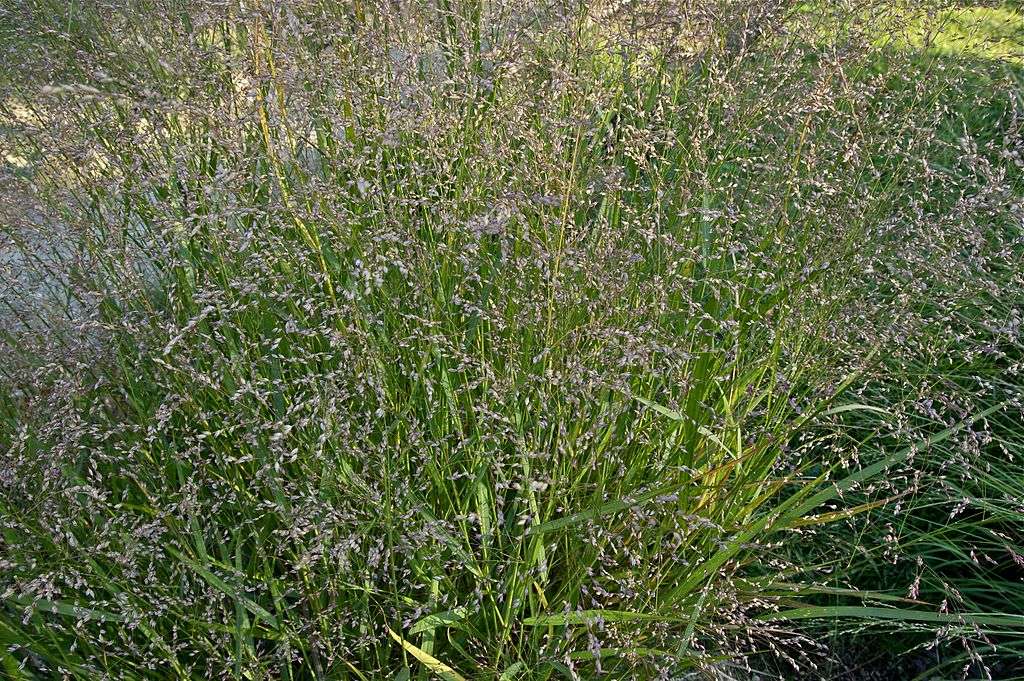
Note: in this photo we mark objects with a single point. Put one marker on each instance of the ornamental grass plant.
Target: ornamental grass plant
(510, 340)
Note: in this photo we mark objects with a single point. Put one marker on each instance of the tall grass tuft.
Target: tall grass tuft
(510, 340)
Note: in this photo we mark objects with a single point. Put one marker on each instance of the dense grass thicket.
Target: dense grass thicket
(511, 339)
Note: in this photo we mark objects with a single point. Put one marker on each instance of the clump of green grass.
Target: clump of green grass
(461, 341)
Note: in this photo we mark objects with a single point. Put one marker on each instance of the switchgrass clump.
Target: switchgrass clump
(503, 340)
